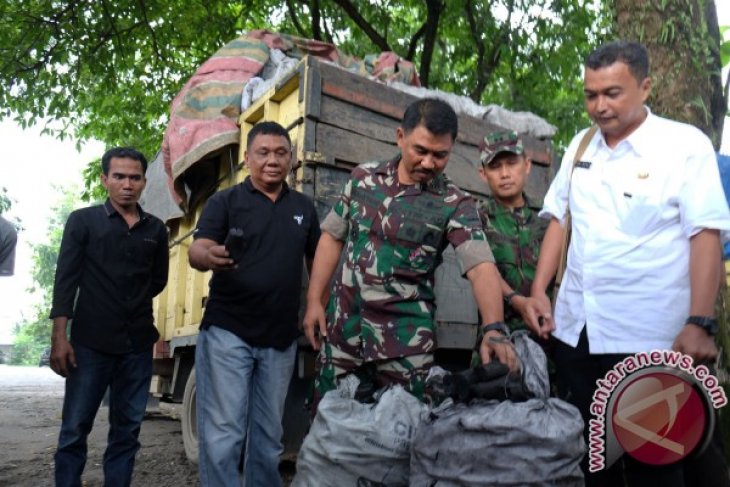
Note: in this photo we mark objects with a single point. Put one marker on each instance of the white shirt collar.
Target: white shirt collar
(640, 140)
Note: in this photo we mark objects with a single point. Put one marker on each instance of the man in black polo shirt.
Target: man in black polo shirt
(113, 260)
(246, 348)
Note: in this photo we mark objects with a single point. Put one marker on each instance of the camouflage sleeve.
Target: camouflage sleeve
(336, 223)
(472, 253)
(466, 234)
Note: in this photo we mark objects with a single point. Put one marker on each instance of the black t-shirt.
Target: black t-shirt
(259, 301)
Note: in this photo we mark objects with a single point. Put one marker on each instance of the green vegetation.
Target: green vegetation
(33, 334)
(109, 70)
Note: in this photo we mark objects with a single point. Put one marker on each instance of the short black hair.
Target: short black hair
(266, 128)
(631, 53)
(435, 115)
(122, 153)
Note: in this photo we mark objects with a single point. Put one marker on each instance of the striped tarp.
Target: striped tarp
(204, 115)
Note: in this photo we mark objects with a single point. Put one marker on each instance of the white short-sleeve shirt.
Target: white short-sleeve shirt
(634, 208)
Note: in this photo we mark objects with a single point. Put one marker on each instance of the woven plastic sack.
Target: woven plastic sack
(533, 363)
(533, 443)
(538, 442)
(356, 444)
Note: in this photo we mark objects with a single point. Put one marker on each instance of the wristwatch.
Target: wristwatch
(508, 298)
(707, 323)
(498, 326)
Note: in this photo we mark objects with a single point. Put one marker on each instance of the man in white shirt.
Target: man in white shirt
(643, 271)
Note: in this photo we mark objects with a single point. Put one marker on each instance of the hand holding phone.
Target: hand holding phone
(234, 244)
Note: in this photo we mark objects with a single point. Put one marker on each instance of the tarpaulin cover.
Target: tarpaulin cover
(204, 115)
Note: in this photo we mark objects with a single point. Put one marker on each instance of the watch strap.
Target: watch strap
(496, 326)
(707, 323)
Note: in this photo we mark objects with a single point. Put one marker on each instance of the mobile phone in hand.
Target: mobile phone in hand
(234, 244)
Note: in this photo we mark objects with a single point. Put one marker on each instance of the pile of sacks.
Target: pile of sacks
(493, 429)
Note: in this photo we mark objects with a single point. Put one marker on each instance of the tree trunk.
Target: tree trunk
(683, 39)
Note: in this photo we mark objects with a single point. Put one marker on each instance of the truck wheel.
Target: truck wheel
(189, 420)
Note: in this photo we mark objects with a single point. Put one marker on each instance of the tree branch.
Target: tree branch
(153, 35)
(316, 16)
(414, 42)
(434, 9)
(327, 32)
(487, 60)
(479, 43)
(35, 25)
(366, 27)
(295, 19)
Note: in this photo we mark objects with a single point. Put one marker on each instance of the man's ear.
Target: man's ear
(645, 87)
(528, 162)
(483, 174)
(399, 135)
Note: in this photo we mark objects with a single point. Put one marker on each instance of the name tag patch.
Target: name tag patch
(583, 164)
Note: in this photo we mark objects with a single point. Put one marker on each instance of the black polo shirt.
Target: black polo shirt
(259, 301)
(117, 271)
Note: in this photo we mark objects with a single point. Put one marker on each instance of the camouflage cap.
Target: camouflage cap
(496, 142)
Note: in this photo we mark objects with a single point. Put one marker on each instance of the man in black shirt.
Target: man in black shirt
(113, 260)
(246, 349)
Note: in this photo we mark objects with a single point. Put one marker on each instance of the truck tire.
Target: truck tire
(189, 420)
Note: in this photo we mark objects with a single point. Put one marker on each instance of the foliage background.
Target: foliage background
(109, 70)
(33, 334)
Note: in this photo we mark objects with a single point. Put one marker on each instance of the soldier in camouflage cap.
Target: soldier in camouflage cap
(510, 220)
(501, 142)
(394, 220)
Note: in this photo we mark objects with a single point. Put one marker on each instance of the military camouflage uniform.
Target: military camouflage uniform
(515, 237)
(382, 303)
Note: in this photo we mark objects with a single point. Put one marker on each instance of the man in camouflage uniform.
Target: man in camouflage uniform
(510, 220)
(394, 219)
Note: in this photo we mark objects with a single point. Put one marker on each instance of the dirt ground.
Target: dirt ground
(30, 419)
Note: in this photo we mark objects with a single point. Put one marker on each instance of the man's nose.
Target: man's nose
(601, 103)
(272, 159)
(427, 162)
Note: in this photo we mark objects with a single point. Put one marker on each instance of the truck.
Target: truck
(336, 119)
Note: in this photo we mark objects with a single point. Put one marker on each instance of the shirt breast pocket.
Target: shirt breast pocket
(144, 251)
(643, 209)
(419, 242)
